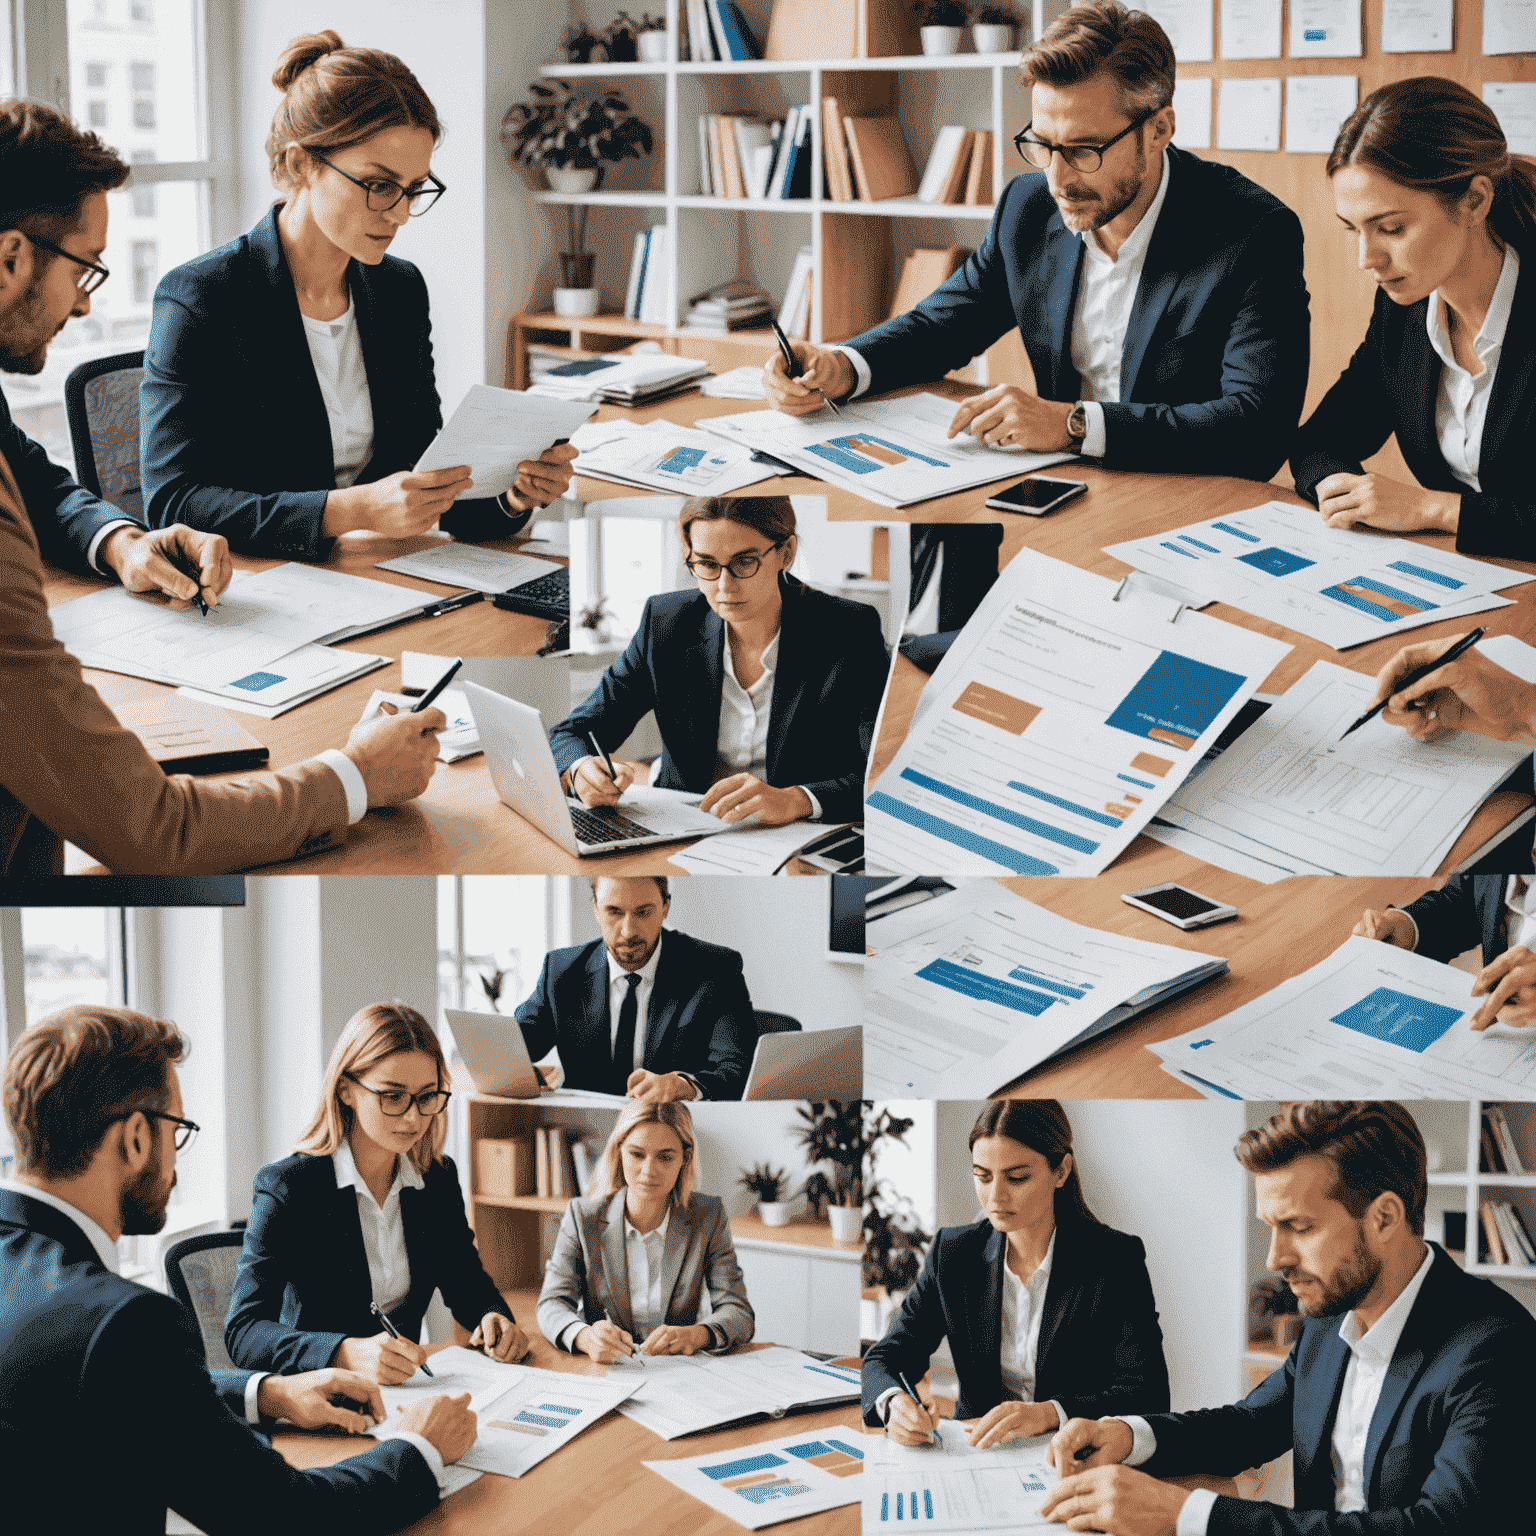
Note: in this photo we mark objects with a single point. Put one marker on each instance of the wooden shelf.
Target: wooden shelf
(903, 63)
(801, 1232)
(604, 199)
(609, 324)
(549, 1205)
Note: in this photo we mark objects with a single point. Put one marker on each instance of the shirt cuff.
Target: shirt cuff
(567, 1339)
(429, 1452)
(1143, 1441)
(100, 538)
(1409, 915)
(815, 803)
(1061, 1413)
(1092, 446)
(693, 1083)
(1195, 1513)
(351, 781)
(860, 368)
(252, 1388)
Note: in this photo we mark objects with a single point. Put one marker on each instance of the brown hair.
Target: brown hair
(73, 1074)
(372, 1034)
(48, 168)
(675, 1115)
(770, 517)
(1105, 35)
(1433, 135)
(1372, 1146)
(1042, 1126)
(662, 884)
(335, 96)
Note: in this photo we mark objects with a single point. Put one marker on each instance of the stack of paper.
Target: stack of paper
(951, 1487)
(629, 378)
(470, 566)
(748, 849)
(743, 383)
(661, 457)
(291, 680)
(969, 990)
(728, 307)
(494, 430)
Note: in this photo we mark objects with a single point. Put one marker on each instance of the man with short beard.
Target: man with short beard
(93, 1102)
(1406, 1400)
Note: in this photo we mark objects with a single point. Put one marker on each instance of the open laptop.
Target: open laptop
(524, 773)
(491, 1047)
(808, 1064)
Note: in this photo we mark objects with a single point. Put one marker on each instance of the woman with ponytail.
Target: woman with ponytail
(288, 383)
(1443, 217)
(765, 691)
(1049, 1313)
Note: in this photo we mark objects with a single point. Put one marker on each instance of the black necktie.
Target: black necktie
(624, 1040)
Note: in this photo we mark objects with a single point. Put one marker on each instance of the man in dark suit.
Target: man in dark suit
(652, 1014)
(1160, 297)
(94, 1105)
(1406, 1400)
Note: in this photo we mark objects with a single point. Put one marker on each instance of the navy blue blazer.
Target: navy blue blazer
(1100, 1351)
(65, 516)
(79, 1346)
(826, 696)
(1391, 387)
(303, 1285)
(233, 435)
(1467, 911)
(1449, 1442)
(1214, 370)
(699, 1019)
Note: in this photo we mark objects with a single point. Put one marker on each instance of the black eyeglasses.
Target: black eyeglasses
(383, 193)
(396, 1102)
(185, 1129)
(1081, 157)
(742, 566)
(91, 279)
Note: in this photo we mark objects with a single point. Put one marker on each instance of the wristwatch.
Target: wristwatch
(1077, 426)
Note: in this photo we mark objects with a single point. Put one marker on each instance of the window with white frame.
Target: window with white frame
(493, 932)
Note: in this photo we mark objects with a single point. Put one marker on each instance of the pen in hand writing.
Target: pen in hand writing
(189, 567)
(426, 700)
(1418, 675)
(792, 363)
(603, 758)
(634, 1354)
(394, 1332)
(906, 1386)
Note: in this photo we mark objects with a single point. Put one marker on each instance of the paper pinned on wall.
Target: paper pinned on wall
(1192, 113)
(1325, 29)
(1418, 26)
(1190, 25)
(1249, 115)
(1509, 26)
(1250, 29)
(1315, 109)
(1514, 104)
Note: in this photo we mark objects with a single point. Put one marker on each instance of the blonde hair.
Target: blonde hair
(675, 1116)
(372, 1035)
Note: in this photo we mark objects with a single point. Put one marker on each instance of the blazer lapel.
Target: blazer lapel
(661, 1014)
(380, 358)
(987, 1322)
(1166, 262)
(1420, 367)
(703, 678)
(418, 1238)
(791, 678)
(1317, 1398)
(1513, 384)
(1064, 269)
(1054, 1306)
(597, 1052)
(616, 1264)
(351, 1276)
(674, 1246)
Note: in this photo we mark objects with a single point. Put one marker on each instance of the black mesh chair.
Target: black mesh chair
(101, 399)
(774, 1023)
(200, 1272)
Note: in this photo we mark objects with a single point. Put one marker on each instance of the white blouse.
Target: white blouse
(389, 1265)
(336, 350)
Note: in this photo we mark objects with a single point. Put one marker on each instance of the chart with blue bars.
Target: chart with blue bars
(1024, 991)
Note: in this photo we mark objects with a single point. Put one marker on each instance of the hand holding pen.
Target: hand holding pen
(598, 780)
(388, 1357)
(1392, 681)
(910, 1420)
(793, 387)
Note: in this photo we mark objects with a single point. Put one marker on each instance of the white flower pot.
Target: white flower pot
(574, 303)
(775, 1213)
(847, 1223)
(653, 47)
(565, 178)
(993, 38)
(941, 40)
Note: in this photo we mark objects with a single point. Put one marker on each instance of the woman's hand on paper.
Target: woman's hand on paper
(542, 480)
(1012, 1421)
(826, 374)
(1471, 694)
(499, 1337)
(592, 786)
(605, 1342)
(1010, 416)
(397, 507)
(1510, 985)
(675, 1340)
(1373, 501)
(743, 795)
(1390, 927)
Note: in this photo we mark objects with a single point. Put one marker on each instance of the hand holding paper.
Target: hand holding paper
(495, 430)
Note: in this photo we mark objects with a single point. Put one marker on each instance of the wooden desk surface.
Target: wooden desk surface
(596, 1486)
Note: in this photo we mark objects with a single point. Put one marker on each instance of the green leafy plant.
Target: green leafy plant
(649, 23)
(580, 43)
(941, 13)
(765, 1182)
(833, 1133)
(563, 130)
(894, 1243)
(995, 16)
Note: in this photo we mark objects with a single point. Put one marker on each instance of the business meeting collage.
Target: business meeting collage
(619, 632)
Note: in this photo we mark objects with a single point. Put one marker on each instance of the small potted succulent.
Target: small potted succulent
(651, 38)
(581, 43)
(768, 1184)
(941, 23)
(992, 31)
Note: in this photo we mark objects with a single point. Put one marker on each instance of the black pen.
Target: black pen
(394, 1332)
(449, 604)
(1460, 649)
(189, 567)
(792, 363)
(426, 699)
(906, 1386)
(602, 756)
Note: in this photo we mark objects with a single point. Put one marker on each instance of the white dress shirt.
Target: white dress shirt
(1106, 296)
(389, 1266)
(1370, 1354)
(336, 350)
(1461, 405)
(642, 1254)
(618, 987)
(741, 746)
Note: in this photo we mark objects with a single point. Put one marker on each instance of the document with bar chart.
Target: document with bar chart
(1056, 727)
(775, 1480)
(1343, 586)
(965, 992)
(661, 457)
(951, 1487)
(1370, 1021)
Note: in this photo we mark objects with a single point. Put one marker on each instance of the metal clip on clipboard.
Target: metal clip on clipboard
(1154, 589)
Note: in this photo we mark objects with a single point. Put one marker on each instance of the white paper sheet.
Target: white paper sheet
(1192, 112)
(951, 1487)
(1509, 26)
(1514, 104)
(292, 680)
(1418, 26)
(1249, 115)
(494, 430)
(1250, 29)
(459, 741)
(662, 457)
(743, 383)
(756, 851)
(470, 567)
(1325, 29)
(1190, 25)
(1315, 109)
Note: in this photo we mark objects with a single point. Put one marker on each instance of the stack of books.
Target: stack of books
(716, 31)
(959, 169)
(1505, 1234)
(740, 155)
(1498, 1151)
(867, 159)
(562, 1162)
(731, 306)
(623, 378)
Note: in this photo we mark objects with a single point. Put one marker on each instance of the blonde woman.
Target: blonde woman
(634, 1264)
(366, 1210)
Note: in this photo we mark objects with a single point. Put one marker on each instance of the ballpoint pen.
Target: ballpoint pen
(906, 1386)
(1418, 675)
(602, 757)
(450, 604)
(425, 701)
(634, 1355)
(792, 363)
(189, 567)
(394, 1332)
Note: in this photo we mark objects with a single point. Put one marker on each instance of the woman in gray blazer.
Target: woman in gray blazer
(632, 1263)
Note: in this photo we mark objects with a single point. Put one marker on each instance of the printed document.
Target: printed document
(494, 430)
(470, 566)
(952, 1487)
(751, 850)
(1059, 722)
(291, 680)
(659, 456)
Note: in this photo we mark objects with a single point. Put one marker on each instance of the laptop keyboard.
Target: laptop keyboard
(604, 825)
(545, 597)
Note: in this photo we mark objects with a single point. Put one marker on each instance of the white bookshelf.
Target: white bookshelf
(1475, 1186)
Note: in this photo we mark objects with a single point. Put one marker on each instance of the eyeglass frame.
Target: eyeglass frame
(83, 285)
(412, 1099)
(191, 1126)
(1021, 138)
(746, 554)
(437, 187)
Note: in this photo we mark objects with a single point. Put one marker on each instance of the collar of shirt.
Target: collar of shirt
(1517, 895)
(646, 973)
(1379, 1341)
(770, 661)
(406, 1176)
(1041, 1277)
(106, 1249)
(331, 330)
(633, 1233)
(1134, 247)
(1491, 336)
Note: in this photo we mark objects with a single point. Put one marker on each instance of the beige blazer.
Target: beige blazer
(70, 773)
(588, 1273)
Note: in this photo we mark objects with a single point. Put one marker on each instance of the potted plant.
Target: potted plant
(992, 31)
(619, 39)
(894, 1241)
(768, 1183)
(651, 38)
(833, 1134)
(580, 43)
(1273, 1313)
(940, 22)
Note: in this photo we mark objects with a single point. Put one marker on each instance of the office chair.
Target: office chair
(774, 1023)
(101, 399)
(200, 1272)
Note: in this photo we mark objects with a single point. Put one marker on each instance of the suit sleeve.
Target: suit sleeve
(66, 759)
(467, 1289)
(1132, 1338)
(563, 1296)
(254, 1334)
(1501, 526)
(215, 1471)
(863, 666)
(1447, 920)
(910, 1341)
(624, 696)
(734, 1036)
(1248, 429)
(731, 1311)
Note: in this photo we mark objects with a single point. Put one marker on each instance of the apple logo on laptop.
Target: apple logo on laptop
(521, 771)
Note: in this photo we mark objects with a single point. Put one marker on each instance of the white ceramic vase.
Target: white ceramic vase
(653, 47)
(992, 38)
(775, 1213)
(566, 178)
(847, 1223)
(941, 40)
(575, 303)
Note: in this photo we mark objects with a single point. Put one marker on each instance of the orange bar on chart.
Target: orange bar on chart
(1173, 738)
(1149, 764)
(999, 709)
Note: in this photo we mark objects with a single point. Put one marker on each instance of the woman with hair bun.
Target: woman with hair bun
(1049, 1313)
(288, 383)
(1443, 216)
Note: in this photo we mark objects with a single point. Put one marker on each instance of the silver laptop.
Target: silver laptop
(491, 1047)
(808, 1064)
(524, 773)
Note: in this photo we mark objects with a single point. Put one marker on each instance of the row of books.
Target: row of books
(867, 159)
(795, 312)
(1508, 1239)
(646, 297)
(959, 169)
(1499, 1153)
(717, 31)
(741, 155)
(549, 1161)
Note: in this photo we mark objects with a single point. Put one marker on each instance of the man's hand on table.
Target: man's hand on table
(145, 560)
(1471, 694)
(1011, 416)
(396, 754)
(327, 1399)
